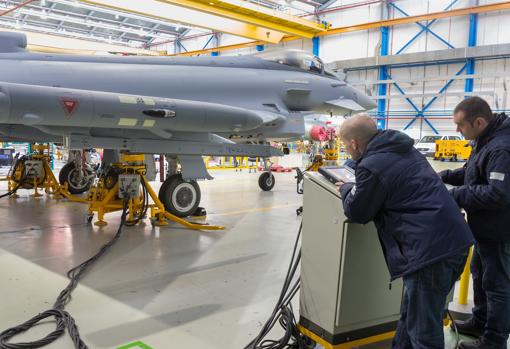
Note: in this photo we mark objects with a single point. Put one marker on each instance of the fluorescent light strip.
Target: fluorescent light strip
(68, 33)
(123, 14)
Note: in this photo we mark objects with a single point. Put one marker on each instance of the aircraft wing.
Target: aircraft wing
(348, 104)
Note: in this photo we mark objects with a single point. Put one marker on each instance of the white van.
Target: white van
(427, 144)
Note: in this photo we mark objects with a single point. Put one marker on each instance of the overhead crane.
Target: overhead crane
(504, 5)
(246, 12)
(177, 14)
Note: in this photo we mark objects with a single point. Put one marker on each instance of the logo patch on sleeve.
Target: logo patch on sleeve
(497, 176)
(353, 190)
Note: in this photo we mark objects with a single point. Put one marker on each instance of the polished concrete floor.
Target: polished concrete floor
(165, 287)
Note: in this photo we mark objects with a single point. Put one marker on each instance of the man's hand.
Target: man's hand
(339, 184)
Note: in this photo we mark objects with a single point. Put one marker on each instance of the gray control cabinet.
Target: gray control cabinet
(345, 285)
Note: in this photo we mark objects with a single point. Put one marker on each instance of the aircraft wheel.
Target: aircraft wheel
(181, 198)
(266, 181)
(69, 174)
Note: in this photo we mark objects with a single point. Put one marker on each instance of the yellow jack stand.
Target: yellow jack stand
(36, 194)
(104, 197)
(48, 182)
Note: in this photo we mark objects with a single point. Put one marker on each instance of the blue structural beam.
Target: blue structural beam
(423, 27)
(383, 75)
(208, 42)
(427, 106)
(182, 46)
(216, 44)
(470, 64)
(316, 44)
(52, 162)
(260, 48)
(402, 92)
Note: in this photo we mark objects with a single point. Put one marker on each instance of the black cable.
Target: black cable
(12, 191)
(12, 171)
(145, 207)
(62, 318)
(283, 312)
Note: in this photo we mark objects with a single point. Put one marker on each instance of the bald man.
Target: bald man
(424, 237)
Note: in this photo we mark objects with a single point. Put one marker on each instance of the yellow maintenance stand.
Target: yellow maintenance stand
(330, 156)
(452, 150)
(234, 163)
(127, 179)
(33, 171)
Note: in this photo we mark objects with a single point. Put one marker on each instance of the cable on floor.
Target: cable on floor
(283, 312)
(62, 318)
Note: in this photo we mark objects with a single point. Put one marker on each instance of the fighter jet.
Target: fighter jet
(185, 107)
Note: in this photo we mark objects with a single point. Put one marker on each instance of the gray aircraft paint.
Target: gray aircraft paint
(242, 98)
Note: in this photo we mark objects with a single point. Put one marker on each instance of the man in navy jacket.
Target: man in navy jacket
(424, 237)
(483, 190)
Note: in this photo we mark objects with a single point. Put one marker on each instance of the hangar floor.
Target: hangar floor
(167, 287)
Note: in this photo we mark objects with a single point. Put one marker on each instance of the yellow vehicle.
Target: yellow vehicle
(452, 150)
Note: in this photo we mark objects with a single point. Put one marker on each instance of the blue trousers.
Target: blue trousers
(423, 307)
(490, 267)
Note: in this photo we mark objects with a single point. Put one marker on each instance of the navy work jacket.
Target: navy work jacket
(483, 184)
(418, 221)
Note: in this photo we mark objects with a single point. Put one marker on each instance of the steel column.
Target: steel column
(470, 65)
(316, 44)
(216, 44)
(383, 75)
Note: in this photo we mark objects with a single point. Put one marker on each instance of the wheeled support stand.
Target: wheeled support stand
(128, 175)
(34, 172)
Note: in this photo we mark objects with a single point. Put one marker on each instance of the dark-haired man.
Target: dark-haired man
(483, 190)
(424, 237)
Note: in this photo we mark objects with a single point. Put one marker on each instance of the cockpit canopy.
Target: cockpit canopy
(299, 59)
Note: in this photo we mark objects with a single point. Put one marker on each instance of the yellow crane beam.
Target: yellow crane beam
(176, 14)
(505, 5)
(246, 12)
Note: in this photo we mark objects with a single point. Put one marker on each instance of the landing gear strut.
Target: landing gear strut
(77, 183)
(78, 175)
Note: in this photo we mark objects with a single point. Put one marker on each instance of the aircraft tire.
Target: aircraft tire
(66, 175)
(266, 181)
(181, 198)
